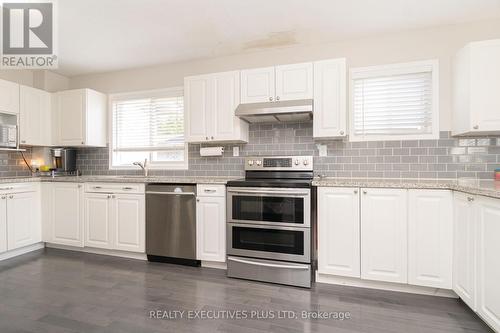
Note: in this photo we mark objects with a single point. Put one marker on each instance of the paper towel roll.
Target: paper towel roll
(212, 151)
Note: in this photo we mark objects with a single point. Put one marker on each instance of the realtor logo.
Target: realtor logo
(28, 35)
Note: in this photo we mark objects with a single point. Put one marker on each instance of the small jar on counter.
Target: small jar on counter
(497, 174)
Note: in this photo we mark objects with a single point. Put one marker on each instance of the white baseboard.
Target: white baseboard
(22, 250)
(115, 253)
(405, 288)
(214, 264)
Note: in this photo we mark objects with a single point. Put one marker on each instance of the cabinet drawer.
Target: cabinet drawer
(18, 187)
(207, 190)
(114, 188)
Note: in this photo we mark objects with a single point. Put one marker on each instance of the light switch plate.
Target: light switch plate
(322, 149)
(236, 151)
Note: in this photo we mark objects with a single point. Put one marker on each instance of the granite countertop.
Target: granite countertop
(120, 179)
(489, 188)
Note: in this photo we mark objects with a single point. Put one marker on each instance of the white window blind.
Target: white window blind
(393, 103)
(148, 127)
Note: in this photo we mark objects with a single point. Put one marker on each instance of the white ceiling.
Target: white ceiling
(107, 35)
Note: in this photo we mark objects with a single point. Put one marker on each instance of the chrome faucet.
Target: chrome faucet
(143, 166)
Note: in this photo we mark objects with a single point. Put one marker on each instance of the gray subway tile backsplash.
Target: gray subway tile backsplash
(444, 158)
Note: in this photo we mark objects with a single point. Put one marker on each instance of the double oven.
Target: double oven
(270, 221)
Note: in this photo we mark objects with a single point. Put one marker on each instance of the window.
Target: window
(148, 125)
(394, 102)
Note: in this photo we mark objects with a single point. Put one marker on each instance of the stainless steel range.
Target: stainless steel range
(270, 221)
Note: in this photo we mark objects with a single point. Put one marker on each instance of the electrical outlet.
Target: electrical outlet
(322, 149)
(236, 151)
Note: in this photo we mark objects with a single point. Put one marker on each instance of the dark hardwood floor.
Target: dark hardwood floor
(62, 291)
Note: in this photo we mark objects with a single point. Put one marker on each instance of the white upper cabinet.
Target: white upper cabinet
(198, 104)
(9, 97)
(488, 267)
(330, 110)
(476, 83)
(338, 231)
(294, 82)
(258, 85)
(210, 102)
(35, 117)
(384, 240)
(430, 231)
(81, 118)
(464, 248)
(279, 83)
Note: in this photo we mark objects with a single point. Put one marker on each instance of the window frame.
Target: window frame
(156, 93)
(396, 69)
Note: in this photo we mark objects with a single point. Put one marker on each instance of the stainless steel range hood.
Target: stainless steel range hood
(276, 112)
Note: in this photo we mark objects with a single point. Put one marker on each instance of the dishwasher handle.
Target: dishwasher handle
(171, 193)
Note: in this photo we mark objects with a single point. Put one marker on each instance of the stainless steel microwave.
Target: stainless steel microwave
(8, 136)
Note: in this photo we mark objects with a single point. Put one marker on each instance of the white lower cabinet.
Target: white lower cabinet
(339, 231)
(488, 264)
(430, 238)
(23, 220)
(98, 220)
(63, 213)
(20, 218)
(115, 221)
(129, 221)
(464, 248)
(384, 241)
(211, 223)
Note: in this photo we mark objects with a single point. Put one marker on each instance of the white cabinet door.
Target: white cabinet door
(485, 85)
(338, 231)
(330, 111)
(225, 126)
(211, 228)
(71, 116)
(384, 239)
(488, 273)
(128, 220)
(464, 248)
(23, 220)
(35, 117)
(3, 224)
(258, 85)
(294, 82)
(430, 242)
(67, 214)
(98, 224)
(9, 97)
(198, 103)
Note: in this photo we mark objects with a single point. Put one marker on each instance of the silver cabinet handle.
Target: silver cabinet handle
(270, 99)
(83, 142)
(23, 141)
(113, 196)
(127, 188)
(97, 187)
(277, 98)
(341, 132)
(266, 264)
(470, 199)
(207, 190)
(4, 197)
(6, 188)
(197, 200)
(11, 197)
(212, 137)
(109, 196)
(365, 192)
(79, 185)
(355, 191)
(476, 127)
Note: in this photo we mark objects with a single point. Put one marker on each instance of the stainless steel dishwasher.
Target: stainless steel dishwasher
(171, 224)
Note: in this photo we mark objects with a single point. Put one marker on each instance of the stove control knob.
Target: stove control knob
(259, 162)
(297, 162)
(305, 162)
(250, 162)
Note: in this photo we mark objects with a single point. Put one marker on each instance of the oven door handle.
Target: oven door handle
(266, 264)
(287, 192)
